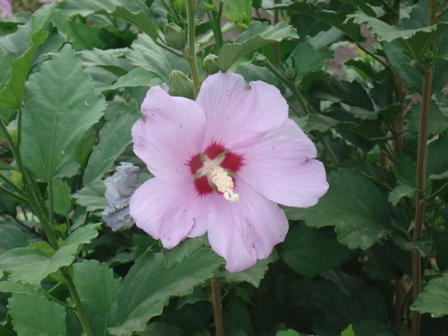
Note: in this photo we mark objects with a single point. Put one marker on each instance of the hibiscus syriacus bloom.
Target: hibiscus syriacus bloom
(5, 9)
(221, 165)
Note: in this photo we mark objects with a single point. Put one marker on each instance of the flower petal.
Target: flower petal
(173, 132)
(246, 230)
(238, 113)
(170, 209)
(280, 167)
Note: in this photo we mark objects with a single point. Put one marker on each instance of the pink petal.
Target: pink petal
(238, 113)
(170, 209)
(280, 167)
(246, 230)
(172, 133)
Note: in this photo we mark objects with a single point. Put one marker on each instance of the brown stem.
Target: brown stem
(217, 308)
(420, 202)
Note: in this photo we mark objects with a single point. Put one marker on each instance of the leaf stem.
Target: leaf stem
(191, 54)
(303, 103)
(171, 50)
(215, 22)
(80, 312)
(217, 307)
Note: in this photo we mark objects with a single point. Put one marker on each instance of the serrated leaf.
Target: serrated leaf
(111, 59)
(355, 206)
(137, 77)
(183, 250)
(336, 19)
(96, 284)
(92, 196)
(256, 36)
(288, 332)
(133, 11)
(44, 247)
(148, 55)
(252, 275)
(319, 122)
(31, 264)
(11, 237)
(434, 298)
(436, 163)
(59, 108)
(415, 41)
(34, 315)
(348, 332)
(309, 251)
(149, 285)
(16, 287)
(61, 197)
(437, 121)
(114, 137)
(34, 33)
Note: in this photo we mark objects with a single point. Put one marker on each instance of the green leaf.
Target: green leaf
(436, 163)
(437, 122)
(11, 237)
(34, 315)
(59, 108)
(61, 197)
(35, 34)
(148, 55)
(114, 138)
(252, 275)
(434, 298)
(149, 285)
(238, 11)
(336, 19)
(318, 122)
(256, 36)
(111, 59)
(32, 265)
(161, 329)
(306, 58)
(372, 327)
(288, 332)
(415, 41)
(339, 91)
(92, 196)
(309, 251)
(137, 77)
(133, 11)
(348, 332)
(355, 206)
(403, 189)
(96, 284)
(183, 250)
(16, 287)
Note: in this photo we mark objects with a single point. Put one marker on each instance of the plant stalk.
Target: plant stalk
(217, 307)
(191, 55)
(80, 312)
(421, 201)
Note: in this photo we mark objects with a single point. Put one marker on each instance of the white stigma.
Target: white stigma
(223, 182)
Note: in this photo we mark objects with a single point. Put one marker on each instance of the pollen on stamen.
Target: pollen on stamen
(223, 182)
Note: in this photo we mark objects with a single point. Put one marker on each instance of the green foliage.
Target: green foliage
(434, 297)
(143, 294)
(59, 107)
(256, 36)
(362, 217)
(34, 315)
(73, 75)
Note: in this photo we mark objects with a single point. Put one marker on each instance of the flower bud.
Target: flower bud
(210, 64)
(291, 74)
(180, 85)
(175, 36)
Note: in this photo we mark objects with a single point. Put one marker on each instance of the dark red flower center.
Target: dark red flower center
(214, 156)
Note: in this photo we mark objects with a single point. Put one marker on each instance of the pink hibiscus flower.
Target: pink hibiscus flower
(5, 9)
(221, 165)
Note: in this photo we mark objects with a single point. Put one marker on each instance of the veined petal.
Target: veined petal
(246, 230)
(170, 209)
(172, 133)
(239, 113)
(280, 167)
